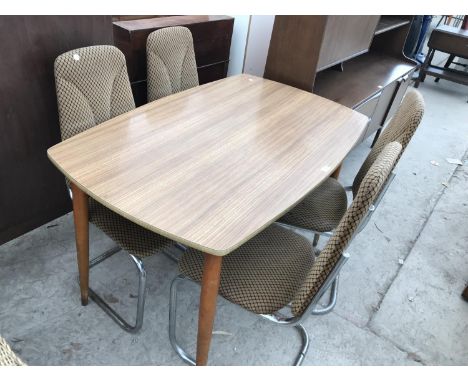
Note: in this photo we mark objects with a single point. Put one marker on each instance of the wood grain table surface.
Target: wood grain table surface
(212, 166)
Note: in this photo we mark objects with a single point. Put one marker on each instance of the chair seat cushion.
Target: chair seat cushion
(129, 236)
(263, 274)
(321, 210)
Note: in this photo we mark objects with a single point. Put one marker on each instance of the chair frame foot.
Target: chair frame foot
(173, 322)
(331, 301)
(189, 359)
(141, 292)
(305, 345)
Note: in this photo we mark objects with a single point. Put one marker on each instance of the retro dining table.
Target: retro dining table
(209, 168)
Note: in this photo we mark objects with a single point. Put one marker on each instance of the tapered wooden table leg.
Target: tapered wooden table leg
(465, 294)
(206, 316)
(335, 174)
(80, 217)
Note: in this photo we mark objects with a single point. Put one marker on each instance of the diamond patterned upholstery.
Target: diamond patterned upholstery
(7, 356)
(171, 65)
(329, 256)
(263, 274)
(400, 129)
(321, 210)
(130, 236)
(92, 86)
(324, 207)
(277, 266)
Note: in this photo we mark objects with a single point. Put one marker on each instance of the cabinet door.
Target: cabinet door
(345, 37)
(402, 84)
(383, 106)
(368, 108)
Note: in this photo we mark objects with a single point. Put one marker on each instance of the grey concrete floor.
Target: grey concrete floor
(399, 301)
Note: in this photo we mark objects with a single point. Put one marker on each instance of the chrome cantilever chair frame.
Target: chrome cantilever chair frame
(278, 318)
(141, 292)
(317, 234)
(141, 286)
(331, 283)
(141, 289)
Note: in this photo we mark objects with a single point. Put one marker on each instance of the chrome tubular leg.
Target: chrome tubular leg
(170, 255)
(169, 252)
(316, 239)
(331, 302)
(104, 256)
(191, 361)
(305, 345)
(181, 246)
(173, 322)
(141, 297)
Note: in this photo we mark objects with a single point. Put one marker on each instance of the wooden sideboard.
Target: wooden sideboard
(211, 38)
(357, 61)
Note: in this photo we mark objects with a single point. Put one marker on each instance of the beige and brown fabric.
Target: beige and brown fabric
(92, 86)
(324, 207)
(321, 210)
(130, 236)
(171, 66)
(277, 266)
(400, 129)
(263, 274)
(7, 356)
(329, 256)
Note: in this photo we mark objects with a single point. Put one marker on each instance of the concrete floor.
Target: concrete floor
(399, 301)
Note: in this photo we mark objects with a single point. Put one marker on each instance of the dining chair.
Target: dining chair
(278, 274)
(322, 209)
(171, 65)
(8, 356)
(92, 86)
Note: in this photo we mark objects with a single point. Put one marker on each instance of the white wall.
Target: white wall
(238, 43)
(258, 42)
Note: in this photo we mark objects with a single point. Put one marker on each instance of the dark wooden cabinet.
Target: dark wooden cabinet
(357, 61)
(211, 39)
(32, 191)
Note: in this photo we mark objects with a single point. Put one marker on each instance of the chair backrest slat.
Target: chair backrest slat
(400, 129)
(328, 258)
(171, 65)
(92, 86)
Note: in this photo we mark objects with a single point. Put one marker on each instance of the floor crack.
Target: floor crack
(410, 355)
(413, 242)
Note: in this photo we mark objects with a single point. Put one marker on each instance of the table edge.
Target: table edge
(216, 252)
(212, 251)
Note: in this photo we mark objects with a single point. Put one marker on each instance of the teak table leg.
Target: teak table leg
(206, 315)
(335, 174)
(80, 217)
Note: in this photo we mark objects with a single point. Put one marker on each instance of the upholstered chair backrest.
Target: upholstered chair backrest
(400, 129)
(171, 66)
(92, 86)
(329, 256)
